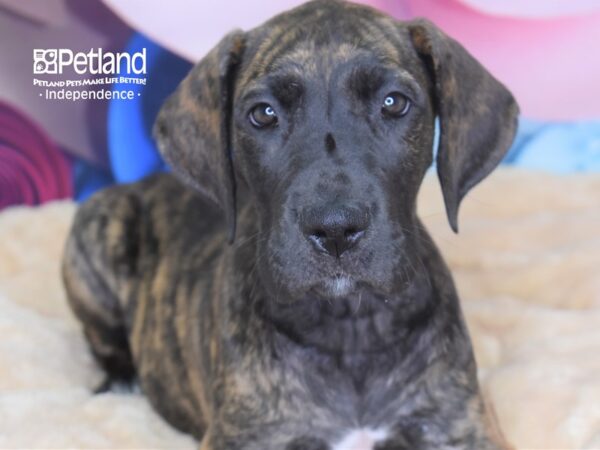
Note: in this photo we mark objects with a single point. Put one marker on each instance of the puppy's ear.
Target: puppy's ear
(477, 114)
(193, 126)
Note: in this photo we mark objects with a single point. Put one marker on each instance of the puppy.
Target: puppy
(285, 295)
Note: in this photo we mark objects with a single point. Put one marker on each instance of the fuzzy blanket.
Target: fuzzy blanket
(527, 266)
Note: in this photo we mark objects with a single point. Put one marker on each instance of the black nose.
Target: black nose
(334, 229)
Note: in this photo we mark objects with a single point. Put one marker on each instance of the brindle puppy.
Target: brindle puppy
(332, 316)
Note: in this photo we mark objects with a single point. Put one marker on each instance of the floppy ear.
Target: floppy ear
(193, 126)
(477, 114)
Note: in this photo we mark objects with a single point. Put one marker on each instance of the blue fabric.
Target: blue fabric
(552, 147)
(556, 147)
(88, 179)
(132, 151)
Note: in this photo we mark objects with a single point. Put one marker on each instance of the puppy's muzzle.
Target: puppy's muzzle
(334, 229)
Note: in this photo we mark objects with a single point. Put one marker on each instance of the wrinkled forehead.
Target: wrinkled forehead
(319, 37)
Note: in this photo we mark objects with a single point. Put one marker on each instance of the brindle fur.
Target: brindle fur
(226, 340)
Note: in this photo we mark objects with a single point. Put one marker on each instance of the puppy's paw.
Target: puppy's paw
(118, 386)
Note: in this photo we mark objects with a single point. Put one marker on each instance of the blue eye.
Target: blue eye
(263, 115)
(395, 104)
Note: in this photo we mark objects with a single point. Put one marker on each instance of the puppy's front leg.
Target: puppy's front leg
(207, 442)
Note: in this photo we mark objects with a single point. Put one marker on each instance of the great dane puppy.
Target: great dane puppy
(286, 296)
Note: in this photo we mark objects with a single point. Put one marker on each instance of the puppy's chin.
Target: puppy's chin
(337, 286)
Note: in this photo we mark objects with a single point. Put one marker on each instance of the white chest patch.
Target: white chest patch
(361, 439)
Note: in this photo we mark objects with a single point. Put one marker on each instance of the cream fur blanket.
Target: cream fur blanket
(527, 265)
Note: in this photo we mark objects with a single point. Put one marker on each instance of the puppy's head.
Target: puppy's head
(326, 114)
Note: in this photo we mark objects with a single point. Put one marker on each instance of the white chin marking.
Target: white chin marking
(361, 439)
(340, 286)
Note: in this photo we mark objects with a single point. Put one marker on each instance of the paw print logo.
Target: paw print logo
(45, 61)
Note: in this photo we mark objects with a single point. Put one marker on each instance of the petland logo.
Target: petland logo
(93, 75)
(95, 62)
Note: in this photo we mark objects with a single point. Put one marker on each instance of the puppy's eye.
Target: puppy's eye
(263, 115)
(395, 105)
